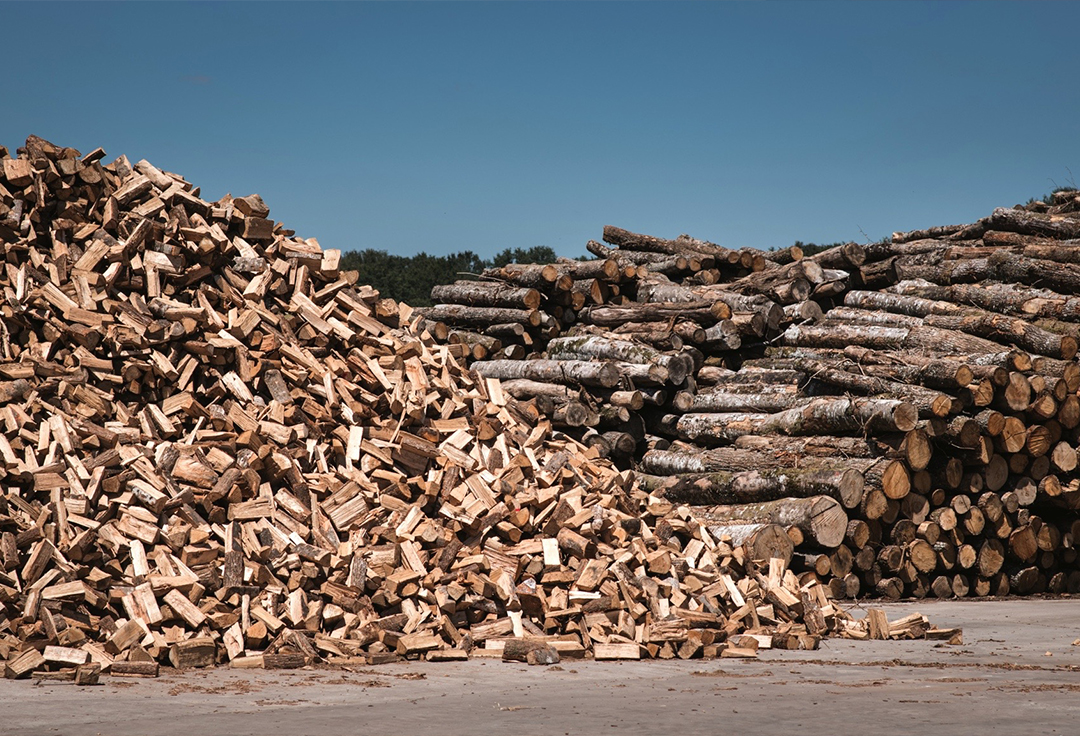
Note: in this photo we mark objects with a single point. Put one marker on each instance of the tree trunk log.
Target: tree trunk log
(926, 339)
(618, 350)
(1034, 223)
(531, 275)
(700, 489)
(820, 518)
(627, 240)
(762, 541)
(457, 314)
(1009, 331)
(570, 372)
(818, 416)
(1011, 299)
(486, 294)
(706, 313)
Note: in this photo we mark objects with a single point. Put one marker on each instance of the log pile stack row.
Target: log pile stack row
(909, 409)
(214, 446)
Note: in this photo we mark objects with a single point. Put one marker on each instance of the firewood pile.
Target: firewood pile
(216, 447)
(908, 409)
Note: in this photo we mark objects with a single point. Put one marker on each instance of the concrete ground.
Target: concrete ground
(1016, 673)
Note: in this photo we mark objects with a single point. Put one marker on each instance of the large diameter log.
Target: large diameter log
(642, 374)
(785, 285)
(662, 335)
(927, 339)
(840, 256)
(821, 519)
(724, 377)
(724, 335)
(723, 401)
(933, 232)
(1030, 303)
(603, 269)
(703, 312)
(604, 348)
(913, 447)
(665, 291)
(570, 372)
(481, 346)
(1034, 223)
(784, 256)
(1009, 331)
(574, 414)
(486, 294)
(927, 402)
(458, 314)
(521, 388)
(1061, 277)
(843, 484)
(914, 368)
(684, 244)
(762, 541)
(531, 275)
(912, 306)
(817, 416)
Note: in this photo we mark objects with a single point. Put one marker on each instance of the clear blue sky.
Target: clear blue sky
(446, 126)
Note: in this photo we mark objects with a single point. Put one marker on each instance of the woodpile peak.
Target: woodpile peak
(217, 447)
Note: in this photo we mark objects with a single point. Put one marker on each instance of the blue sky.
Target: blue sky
(451, 126)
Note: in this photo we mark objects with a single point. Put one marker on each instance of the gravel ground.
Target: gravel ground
(1017, 672)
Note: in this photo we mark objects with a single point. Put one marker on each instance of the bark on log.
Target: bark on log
(933, 232)
(662, 335)
(457, 314)
(486, 294)
(665, 291)
(521, 388)
(840, 256)
(926, 339)
(927, 402)
(762, 541)
(1033, 223)
(569, 372)
(785, 285)
(627, 240)
(618, 350)
(531, 275)
(603, 269)
(1009, 331)
(770, 484)
(742, 401)
(818, 416)
(820, 518)
(706, 313)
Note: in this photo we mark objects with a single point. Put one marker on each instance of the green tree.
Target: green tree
(536, 254)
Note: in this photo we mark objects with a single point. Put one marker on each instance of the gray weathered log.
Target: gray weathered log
(569, 372)
(820, 518)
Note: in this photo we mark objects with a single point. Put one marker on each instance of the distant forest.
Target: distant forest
(410, 278)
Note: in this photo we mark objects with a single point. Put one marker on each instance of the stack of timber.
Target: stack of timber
(613, 341)
(217, 447)
(908, 410)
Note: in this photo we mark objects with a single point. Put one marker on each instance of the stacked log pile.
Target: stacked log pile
(215, 446)
(907, 409)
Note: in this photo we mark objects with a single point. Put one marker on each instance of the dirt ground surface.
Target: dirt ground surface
(1017, 672)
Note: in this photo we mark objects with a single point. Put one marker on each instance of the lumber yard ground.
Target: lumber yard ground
(1017, 672)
